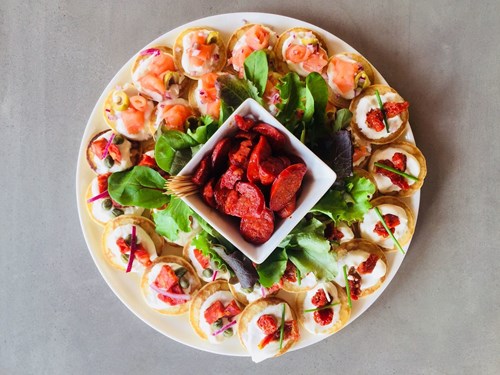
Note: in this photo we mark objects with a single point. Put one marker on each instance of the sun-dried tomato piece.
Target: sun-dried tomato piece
(319, 299)
(395, 178)
(175, 289)
(375, 120)
(392, 109)
(368, 265)
(232, 309)
(354, 283)
(392, 221)
(323, 317)
(267, 323)
(290, 272)
(399, 161)
(290, 332)
(202, 259)
(148, 161)
(166, 278)
(102, 182)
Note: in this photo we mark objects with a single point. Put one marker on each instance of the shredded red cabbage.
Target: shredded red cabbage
(150, 51)
(107, 145)
(228, 325)
(168, 294)
(214, 275)
(104, 194)
(131, 257)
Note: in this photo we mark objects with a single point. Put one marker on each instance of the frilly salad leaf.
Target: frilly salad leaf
(241, 265)
(174, 218)
(204, 242)
(139, 186)
(348, 204)
(307, 248)
(202, 133)
(293, 97)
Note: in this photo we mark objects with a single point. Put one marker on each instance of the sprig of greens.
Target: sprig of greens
(322, 307)
(282, 327)
(394, 170)
(347, 287)
(396, 242)
(379, 101)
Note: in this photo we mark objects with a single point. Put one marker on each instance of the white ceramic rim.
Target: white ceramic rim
(126, 287)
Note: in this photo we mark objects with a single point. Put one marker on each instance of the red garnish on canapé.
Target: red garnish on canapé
(398, 162)
(368, 265)
(290, 272)
(392, 221)
(217, 310)
(202, 259)
(354, 283)
(375, 117)
(98, 147)
(332, 233)
(140, 253)
(322, 317)
(290, 332)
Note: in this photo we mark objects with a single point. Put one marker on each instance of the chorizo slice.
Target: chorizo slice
(240, 153)
(244, 123)
(231, 177)
(203, 171)
(288, 209)
(220, 154)
(208, 193)
(258, 230)
(270, 169)
(276, 137)
(286, 186)
(250, 201)
(260, 152)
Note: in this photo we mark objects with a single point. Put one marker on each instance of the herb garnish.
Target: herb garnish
(322, 307)
(379, 100)
(383, 166)
(388, 230)
(282, 328)
(348, 288)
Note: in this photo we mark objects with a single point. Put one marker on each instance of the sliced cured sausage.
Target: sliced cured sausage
(286, 186)
(258, 230)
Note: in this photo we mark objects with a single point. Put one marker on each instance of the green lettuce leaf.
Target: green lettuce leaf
(256, 70)
(234, 91)
(208, 126)
(271, 270)
(139, 186)
(293, 97)
(173, 219)
(203, 242)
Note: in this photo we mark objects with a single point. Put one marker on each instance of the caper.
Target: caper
(233, 280)
(184, 283)
(247, 290)
(108, 161)
(120, 101)
(117, 212)
(228, 332)
(217, 324)
(128, 239)
(171, 78)
(207, 272)
(118, 139)
(212, 37)
(125, 258)
(107, 204)
(181, 271)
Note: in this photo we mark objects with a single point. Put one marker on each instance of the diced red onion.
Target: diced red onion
(131, 257)
(170, 295)
(104, 194)
(111, 117)
(216, 57)
(107, 146)
(263, 291)
(150, 51)
(214, 275)
(202, 92)
(108, 110)
(228, 325)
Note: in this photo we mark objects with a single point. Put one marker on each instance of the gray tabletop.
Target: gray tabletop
(438, 316)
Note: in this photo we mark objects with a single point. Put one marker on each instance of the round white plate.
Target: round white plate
(126, 286)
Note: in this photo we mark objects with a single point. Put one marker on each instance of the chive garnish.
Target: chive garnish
(379, 100)
(299, 276)
(347, 286)
(282, 328)
(322, 307)
(388, 230)
(408, 176)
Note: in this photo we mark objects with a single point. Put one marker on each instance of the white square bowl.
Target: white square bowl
(318, 179)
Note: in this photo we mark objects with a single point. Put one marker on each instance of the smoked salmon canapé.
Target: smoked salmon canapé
(268, 328)
(247, 39)
(155, 75)
(214, 313)
(398, 218)
(361, 153)
(198, 51)
(101, 207)
(171, 114)
(206, 269)
(130, 243)
(363, 265)
(398, 169)
(379, 114)
(129, 113)
(324, 309)
(203, 95)
(302, 51)
(168, 285)
(348, 74)
(109, 152)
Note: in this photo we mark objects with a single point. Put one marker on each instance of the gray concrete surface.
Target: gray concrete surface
(439, 316)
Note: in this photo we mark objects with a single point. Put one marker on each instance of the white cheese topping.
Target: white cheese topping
(371, 218)
(309, 322)
(366, 104)
(254, 335)
(346, 231)
(104, 215)
(354, 259)
(254, 295)
(189, 50)
(143, 238)
(307, 281)
(151, 295)
(225, 297)
(125, 163)
(384, 184)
